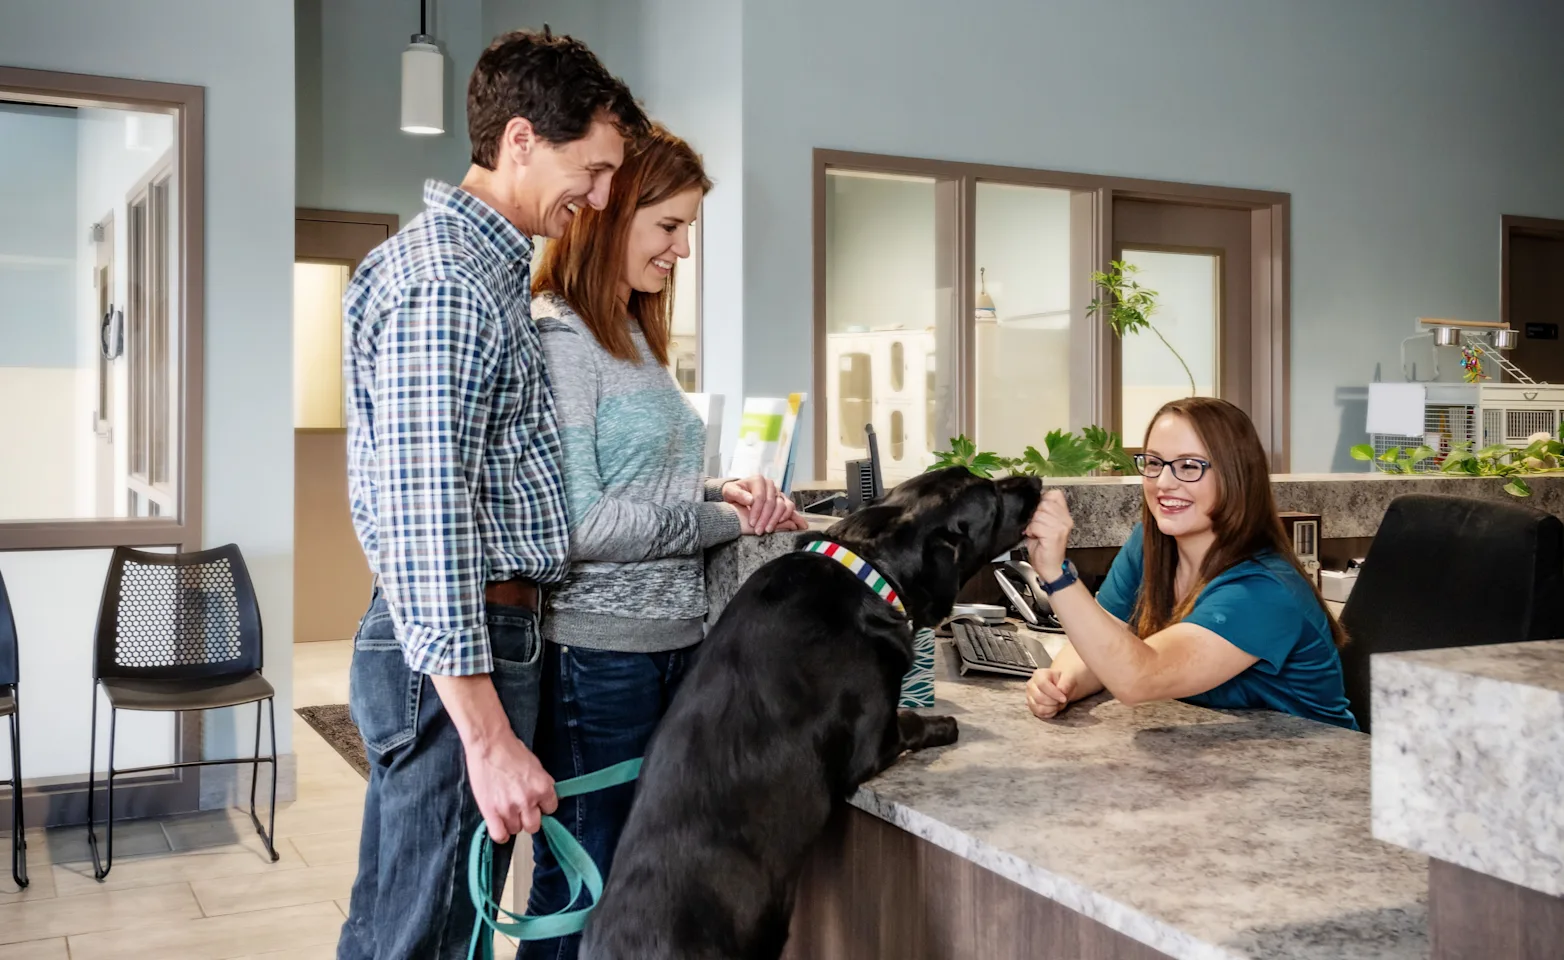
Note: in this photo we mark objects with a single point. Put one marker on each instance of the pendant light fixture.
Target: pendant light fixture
(985, 303)
(423, 81)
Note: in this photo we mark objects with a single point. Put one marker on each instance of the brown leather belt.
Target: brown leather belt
(515, 592)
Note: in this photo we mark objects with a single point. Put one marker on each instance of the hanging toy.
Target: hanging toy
(1472, 364)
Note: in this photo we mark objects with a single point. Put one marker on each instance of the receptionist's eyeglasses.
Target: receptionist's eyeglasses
(1187, 469)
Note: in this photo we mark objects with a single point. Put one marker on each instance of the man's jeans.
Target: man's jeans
(599, 708)
(410, 899)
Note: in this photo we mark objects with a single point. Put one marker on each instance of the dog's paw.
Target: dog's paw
(919, 732)
(939, 731)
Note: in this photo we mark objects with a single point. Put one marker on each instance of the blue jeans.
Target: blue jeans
(599, 708)
(410, 899)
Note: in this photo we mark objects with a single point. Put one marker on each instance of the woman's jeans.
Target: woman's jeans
(598, 708)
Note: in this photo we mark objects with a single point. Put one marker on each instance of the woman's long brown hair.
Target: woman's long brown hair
(586, 264)
(1245, 520)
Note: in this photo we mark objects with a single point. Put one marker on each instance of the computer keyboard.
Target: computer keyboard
(991, 649)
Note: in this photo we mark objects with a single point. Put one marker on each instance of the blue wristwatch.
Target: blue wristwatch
(1066, 577)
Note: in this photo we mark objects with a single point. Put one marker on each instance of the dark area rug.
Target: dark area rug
(336, 727)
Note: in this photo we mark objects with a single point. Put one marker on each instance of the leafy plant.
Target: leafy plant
(1542, 454)
(1109, 448)
(1063, 454)
(1129, 307)
(1396, 459)
(963, 452)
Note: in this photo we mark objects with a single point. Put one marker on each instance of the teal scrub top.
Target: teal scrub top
(1265, 608)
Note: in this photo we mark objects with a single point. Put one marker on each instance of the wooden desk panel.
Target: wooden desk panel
(872, 891)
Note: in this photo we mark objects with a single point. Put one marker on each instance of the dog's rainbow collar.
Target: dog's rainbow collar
(860, 569)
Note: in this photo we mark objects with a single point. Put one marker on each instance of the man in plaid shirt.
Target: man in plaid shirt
(456, 492)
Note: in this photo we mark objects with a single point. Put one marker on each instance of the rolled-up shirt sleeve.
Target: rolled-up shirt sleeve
(433, 374)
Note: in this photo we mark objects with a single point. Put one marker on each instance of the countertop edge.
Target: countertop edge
(1107, 911)
(1421, 792)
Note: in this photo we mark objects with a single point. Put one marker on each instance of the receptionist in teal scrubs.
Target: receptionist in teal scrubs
(1205, 602)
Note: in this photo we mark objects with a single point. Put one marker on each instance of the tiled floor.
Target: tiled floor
(198, 887)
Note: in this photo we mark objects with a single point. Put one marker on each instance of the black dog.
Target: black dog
(790, 706)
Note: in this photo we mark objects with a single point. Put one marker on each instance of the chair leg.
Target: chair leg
(92, 784)
(268, 835)
(101, 870)
(18, 822)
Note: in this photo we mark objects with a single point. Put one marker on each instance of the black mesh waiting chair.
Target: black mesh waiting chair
(178, 632)
(10, 674)
(1452, 572)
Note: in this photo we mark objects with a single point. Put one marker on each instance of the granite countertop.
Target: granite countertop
(728, 565)
(1200, 833)
(1469, 758)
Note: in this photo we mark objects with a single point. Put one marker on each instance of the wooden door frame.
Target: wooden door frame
(1093, 195)
(312, 238)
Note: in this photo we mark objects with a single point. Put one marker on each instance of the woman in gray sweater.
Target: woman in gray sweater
(620, 630)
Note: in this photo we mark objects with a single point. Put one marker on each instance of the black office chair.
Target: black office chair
(178, 632)
(10, 673)
(1452, 572)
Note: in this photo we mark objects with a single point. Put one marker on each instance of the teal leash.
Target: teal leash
(580, 872)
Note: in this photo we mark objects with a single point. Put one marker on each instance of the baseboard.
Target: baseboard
(229, 786)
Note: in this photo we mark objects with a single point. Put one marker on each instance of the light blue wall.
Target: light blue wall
(38, 242)
(352, 154)
(687, 72)
(582, 19)
(1403, 129)
(242, 54)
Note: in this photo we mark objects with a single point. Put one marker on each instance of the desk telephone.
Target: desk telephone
(983, 641)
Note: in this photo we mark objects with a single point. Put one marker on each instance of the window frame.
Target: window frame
(188, 106)
(1093, 397)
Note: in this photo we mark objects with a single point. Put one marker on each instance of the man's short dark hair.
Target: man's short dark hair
(553, 81)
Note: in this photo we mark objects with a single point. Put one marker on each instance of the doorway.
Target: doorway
(1197, 259)
(1533, 271)
(331, 579)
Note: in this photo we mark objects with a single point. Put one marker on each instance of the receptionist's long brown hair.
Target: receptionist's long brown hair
(1245, 520)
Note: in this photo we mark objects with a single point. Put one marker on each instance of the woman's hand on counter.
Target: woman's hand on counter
(763, 508)
(794, 522)
(1048, 534)
(1048, 692)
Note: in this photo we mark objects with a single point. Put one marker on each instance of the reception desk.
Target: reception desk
(1162, 830)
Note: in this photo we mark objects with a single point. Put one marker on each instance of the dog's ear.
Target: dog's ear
(868, 524)
(939, 579)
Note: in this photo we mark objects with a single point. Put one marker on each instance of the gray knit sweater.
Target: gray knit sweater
(641, 513)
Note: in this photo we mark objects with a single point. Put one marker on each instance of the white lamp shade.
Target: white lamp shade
(423, 89)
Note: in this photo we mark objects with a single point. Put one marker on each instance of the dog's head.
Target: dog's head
(933, 533)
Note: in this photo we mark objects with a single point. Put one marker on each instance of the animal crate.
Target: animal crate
(1478, 414)
(1513, 412)
(1450, 416)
